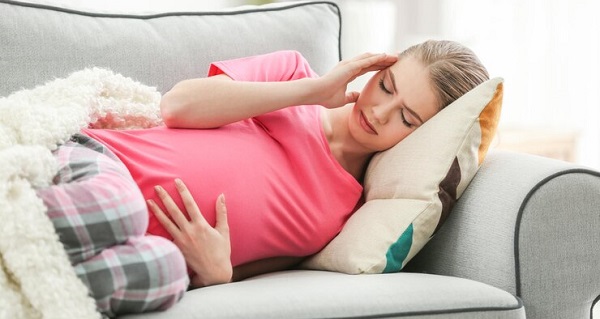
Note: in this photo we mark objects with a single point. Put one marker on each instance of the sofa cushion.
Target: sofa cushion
(411, 188)
(317, 294)
(40, 42)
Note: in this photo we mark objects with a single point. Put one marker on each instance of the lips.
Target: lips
(366, 125)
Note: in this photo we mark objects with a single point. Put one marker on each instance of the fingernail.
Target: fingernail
(222, 198)
(178, 182)
(157, 188)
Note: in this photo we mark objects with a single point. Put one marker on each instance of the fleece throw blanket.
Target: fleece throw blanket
(36, 278)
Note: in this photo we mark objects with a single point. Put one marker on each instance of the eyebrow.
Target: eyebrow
(391, 75)
(413, 113)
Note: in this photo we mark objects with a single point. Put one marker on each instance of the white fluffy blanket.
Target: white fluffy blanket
(36, 278)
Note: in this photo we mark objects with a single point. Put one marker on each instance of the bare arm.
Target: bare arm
(206, 250)
(218, 100)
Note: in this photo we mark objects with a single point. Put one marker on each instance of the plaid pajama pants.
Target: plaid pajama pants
(101, 218)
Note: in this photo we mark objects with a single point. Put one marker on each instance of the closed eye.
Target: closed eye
(404, 121)
(383, 88)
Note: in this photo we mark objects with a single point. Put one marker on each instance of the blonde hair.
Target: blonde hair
(453, 68)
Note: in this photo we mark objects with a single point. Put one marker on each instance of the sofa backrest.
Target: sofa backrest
(40, 43)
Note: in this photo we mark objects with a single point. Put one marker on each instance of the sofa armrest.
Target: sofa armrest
(528, 225)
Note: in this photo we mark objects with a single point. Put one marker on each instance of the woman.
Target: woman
(288, 147)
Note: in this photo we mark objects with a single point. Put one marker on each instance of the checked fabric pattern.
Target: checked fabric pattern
(101, 219)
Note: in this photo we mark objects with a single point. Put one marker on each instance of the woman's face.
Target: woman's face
(392, 105)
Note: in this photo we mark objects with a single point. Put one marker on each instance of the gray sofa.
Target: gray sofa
(522, 240)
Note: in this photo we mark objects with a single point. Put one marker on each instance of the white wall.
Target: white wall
(548, 53)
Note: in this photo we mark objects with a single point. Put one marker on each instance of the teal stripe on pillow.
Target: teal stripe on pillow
(398, 251)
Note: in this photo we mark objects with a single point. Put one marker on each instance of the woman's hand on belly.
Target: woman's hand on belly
(207, 250)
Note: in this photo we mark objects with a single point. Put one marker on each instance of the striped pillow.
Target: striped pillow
(411, 188)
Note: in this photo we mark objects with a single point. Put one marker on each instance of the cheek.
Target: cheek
(395, 134)
(371, 88)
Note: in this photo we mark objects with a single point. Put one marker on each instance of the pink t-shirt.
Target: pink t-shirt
(285, 192)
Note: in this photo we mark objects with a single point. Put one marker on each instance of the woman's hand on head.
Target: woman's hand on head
(332, 87)
(207, 250)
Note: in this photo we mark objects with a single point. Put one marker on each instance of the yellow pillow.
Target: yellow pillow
(411, 188)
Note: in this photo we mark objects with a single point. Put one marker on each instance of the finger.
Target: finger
(371, 58)
(370, 69)
(358, 58)
(352, 97)
(370, 63)
(365, 55)
(163, 218)
(222, 226)
(377, 62)
(171, 207)
(364, 60)
(385, 63)
(188, 201)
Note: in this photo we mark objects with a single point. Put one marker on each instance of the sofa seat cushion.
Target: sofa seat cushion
(321, 294)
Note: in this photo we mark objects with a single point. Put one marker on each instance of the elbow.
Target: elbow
(170, 107)
(184, 105)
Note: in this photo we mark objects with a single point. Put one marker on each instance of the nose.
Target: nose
(381, 112)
